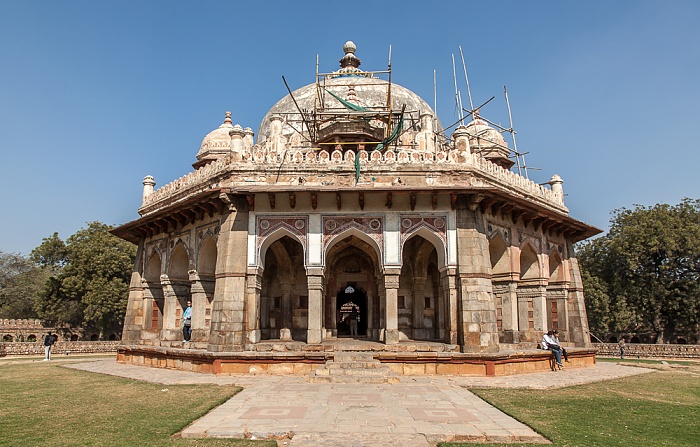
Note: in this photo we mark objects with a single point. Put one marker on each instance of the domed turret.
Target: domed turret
(488, 142)
(216, 144)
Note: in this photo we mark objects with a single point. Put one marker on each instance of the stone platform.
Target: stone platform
(297, 358)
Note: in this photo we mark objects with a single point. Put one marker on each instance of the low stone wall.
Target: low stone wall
(639, 350)
(303, 362)
(60, 348)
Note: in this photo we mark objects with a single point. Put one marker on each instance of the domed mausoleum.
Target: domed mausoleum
(351, 221)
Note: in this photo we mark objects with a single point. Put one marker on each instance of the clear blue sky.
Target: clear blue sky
(95, 95)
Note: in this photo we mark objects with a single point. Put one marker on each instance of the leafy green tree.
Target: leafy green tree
(20, 283)
(91, 287)
(648, 266)
(51, 253)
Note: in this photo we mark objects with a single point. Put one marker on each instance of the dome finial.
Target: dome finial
(349, 60)
(228, 120)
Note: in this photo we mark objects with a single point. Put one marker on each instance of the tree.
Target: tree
(20, 284)
(648, 266)
(91, 287)
(51, 253)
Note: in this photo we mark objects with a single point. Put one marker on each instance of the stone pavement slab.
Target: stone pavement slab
(418, 411)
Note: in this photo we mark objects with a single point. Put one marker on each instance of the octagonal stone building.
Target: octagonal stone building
(352, 195)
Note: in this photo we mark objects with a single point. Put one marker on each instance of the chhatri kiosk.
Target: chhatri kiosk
(352, 196)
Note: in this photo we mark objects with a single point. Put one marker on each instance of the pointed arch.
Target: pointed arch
(358, 234)
(556, 269)
(435, 240)
(206, 258)
(179, 263)
(529, 262)
(500, 256)
(153, 268)
(273, 237)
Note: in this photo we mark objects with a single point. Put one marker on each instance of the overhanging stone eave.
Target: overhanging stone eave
(521, 206)
(178, 213)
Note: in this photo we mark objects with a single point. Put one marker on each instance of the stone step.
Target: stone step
(353, 365)
(351, 379)
(350, 356)
(359, 372)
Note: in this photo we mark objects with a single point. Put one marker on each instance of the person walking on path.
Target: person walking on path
(622, 348)
(187, 322)
(49, 340)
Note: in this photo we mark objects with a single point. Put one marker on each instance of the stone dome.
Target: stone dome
(351, 84)
(486, 134)
(488, 142)
(217, 142)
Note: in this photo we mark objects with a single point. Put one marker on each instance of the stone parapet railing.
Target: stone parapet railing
(61, 347)
(309, 158)
(634, 350)
(9, 324)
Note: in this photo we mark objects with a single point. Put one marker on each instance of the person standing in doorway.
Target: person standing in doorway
(354, 318)
(187, 322)
(49, 340)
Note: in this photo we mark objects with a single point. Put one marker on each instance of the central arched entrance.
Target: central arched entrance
(347, 298)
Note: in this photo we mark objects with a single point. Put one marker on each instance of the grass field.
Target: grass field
(661, 409)
(44, 404)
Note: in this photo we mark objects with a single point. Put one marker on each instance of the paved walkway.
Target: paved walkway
(419, 411)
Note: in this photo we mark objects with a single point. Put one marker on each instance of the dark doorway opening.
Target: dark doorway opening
(346, 297)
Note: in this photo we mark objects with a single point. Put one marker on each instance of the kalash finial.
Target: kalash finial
(228, 120)
(349, 60)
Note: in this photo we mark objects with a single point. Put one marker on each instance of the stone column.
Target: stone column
(253, 288)
(523, 311)
(449, 289)
(199, 308)
(169, 331)
(578, 318)
(418, 306)
(539, 309)
(135, 319)
(509, 308)
(286, 329)
(227, 315)
(391, 285)
(314, 280)
(478, 311)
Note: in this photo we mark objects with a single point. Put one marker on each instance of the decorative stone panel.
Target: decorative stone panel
(266, 225)
(372, 226)
(436, 224)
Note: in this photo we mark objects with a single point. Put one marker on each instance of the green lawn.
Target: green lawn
(657, 409)
(44, 404)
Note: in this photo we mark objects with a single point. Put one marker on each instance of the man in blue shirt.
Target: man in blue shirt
(187, 322)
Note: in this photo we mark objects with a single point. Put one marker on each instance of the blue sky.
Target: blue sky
(96, 95)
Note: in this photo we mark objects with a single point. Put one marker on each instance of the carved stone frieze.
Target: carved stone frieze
(266, 225)
(494, 228)
(410, 223)
(372, 226)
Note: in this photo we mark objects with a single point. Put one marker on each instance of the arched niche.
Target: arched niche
(529, 263)
(179, 264)
(435, 240)
(420, 299)
(271, 239)
(556, 270)
(500, 257)
(206, 260)
(152, 269)
(284, 290)
(352, 261)
(356, 233)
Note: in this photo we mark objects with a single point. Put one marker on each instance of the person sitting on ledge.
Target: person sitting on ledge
(550, 344)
